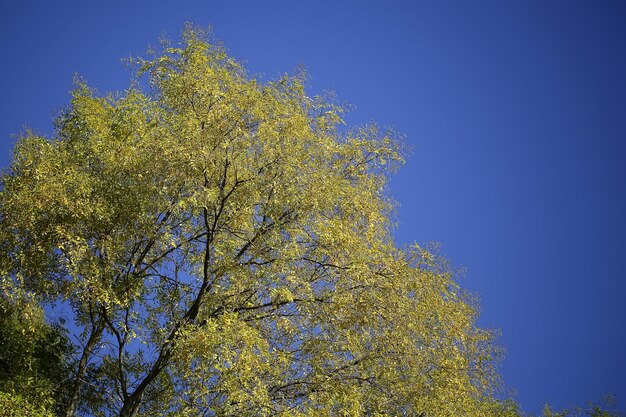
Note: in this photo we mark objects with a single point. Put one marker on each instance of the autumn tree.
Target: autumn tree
(225, 247)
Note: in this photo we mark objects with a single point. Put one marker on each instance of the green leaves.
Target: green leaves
(33, 358)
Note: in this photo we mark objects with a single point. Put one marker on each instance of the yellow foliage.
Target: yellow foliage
(227, 244)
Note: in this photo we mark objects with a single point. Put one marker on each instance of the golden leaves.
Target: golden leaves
(240, 237)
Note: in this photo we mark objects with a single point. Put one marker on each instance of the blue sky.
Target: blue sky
(516, 112)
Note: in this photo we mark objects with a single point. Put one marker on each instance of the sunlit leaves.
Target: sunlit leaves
(225, 245)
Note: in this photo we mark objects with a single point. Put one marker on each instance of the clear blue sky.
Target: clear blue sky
(517, 111)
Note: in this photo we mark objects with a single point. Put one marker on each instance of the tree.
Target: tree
(604, 408)
(33, 360)
(225, 247)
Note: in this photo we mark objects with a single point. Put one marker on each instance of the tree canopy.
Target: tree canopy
(224, 247)
(34, 360)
